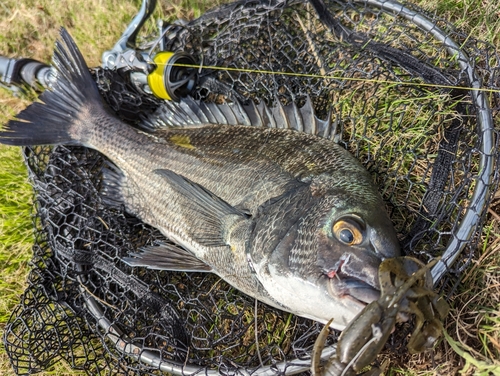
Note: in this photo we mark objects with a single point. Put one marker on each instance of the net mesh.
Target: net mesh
(422, 144)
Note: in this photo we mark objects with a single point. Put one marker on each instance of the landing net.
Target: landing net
(407, 98)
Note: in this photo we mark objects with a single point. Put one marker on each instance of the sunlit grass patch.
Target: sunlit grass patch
(16, 234)
(478, 302)
(16, 227)
(397, 131)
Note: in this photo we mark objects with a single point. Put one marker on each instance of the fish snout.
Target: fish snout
(362, 266)
(384, 240)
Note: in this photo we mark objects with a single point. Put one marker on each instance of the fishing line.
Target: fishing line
(328, 77)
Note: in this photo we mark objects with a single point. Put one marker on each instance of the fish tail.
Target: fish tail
(65, 110)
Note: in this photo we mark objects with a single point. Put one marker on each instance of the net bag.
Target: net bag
(406, 91)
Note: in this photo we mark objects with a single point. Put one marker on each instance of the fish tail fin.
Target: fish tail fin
(64, 110)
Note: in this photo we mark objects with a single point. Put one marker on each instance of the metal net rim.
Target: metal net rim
(468, 225)
(485, 130)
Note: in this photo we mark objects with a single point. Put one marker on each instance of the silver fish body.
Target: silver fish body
(287, 217)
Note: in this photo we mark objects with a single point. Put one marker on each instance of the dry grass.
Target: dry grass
(474, 321)
(29, 28)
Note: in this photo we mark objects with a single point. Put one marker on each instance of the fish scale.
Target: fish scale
(271, 209)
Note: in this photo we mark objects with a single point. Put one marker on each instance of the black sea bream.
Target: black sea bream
(287, 217)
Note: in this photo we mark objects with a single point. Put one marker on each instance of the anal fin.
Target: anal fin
(112, 183)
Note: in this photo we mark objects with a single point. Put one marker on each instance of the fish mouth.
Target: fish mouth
(354, 278)
(353, 288)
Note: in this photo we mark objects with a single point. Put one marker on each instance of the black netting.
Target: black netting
(432, 151)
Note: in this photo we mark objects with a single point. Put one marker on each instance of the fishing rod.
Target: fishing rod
(15, 73)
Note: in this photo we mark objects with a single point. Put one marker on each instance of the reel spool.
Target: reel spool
(170, 81)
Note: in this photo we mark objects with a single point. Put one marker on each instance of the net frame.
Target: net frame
(486, 129)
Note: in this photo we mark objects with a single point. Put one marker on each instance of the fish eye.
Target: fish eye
(349, 231)
(346, 236)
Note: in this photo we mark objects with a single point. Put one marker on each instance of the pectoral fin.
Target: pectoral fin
(215, 218)
(167, 256)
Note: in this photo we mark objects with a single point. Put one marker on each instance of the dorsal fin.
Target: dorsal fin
(192, 113)
(280, 117)
(266, 115)
(308, 118)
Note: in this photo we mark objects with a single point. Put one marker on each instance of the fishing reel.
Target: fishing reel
(174, 76)
(170, 75)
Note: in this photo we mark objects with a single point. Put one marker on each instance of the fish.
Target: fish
(251, 193)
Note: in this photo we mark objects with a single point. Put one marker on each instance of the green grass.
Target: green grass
(29, 28)
(16, 228)
(16, 233)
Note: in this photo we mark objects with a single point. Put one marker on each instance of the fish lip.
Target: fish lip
(342, 282)
(352, 288)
